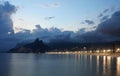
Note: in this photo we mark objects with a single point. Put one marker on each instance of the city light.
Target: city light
(108, 50)
(118, 50)
(104, 51)
(97, 51)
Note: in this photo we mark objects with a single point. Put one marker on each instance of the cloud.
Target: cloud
(104, 18)
(6, 24)
(100, 15)
(106, 10)
(82, 30)
(107, 30)
(89, 22)
(110, 26)
(20, 19)
(49, 18)
(51, 5)
(82, 22)
(112, 8)
(47, 34)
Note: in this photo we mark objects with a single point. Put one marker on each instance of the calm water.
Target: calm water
(58, 65)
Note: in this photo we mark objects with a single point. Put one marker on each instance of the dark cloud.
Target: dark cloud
(49, 34)
(104, 18)
(100, 15)
(6, 24)
(49, 18)
(106, 10)
(89, 22)
(8, 42)
(110, 26)
(82, 30)
(107, 30)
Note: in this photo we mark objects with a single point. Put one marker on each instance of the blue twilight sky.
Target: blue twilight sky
(63, 14)
(58, 20)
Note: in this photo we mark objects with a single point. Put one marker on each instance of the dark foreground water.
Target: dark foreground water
(58, 65)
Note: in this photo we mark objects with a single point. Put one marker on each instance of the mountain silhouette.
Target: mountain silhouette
(35, 47)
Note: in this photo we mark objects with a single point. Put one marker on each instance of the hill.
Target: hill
(34, 47)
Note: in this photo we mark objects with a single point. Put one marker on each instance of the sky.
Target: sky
(58, 20)
(63, 14)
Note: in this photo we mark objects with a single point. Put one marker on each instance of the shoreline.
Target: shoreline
(104, 54)
(99, 54)
(79, 53)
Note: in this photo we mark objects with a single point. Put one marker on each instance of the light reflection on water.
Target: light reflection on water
(118, 66)
(58, 65)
